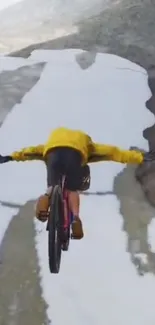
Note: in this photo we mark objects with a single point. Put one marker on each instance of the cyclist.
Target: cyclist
(68, 152)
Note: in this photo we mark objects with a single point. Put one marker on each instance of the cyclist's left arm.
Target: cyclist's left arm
(102, 152)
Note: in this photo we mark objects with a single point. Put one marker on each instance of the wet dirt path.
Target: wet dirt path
(20, 291)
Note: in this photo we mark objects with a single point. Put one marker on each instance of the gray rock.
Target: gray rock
(145, 174)
(15, 84)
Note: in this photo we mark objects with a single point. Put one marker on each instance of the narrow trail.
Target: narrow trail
(20, 294)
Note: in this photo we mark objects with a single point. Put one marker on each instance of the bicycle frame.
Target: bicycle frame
(58, 225)
(68, 216)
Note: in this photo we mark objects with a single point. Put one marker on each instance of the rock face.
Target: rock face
(15, 84)
(145, 174)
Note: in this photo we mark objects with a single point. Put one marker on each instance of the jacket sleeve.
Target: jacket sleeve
(29, 153)
(110, 153)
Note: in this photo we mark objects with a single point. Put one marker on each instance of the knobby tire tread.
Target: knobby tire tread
(55, 222)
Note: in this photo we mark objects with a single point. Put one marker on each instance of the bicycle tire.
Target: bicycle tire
(55, 223)
(66, 233)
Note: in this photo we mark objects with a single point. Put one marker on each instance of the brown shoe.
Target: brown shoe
(42, 207)
(77, 229)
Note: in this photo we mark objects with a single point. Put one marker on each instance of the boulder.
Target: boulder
(145, 175)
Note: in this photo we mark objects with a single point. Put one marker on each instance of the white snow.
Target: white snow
(152, 235)
(7, 3)
(6, 216)
(97, 283)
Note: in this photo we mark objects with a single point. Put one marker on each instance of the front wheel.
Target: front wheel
(65, 244)
(66, 232)
(55, 225)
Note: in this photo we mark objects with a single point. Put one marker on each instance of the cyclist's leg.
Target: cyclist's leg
(73, 181)
(53, 175)
(72, 163)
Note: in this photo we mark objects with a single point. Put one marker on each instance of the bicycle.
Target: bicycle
(58, 225)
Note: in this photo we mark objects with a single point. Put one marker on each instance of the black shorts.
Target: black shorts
(65, 161)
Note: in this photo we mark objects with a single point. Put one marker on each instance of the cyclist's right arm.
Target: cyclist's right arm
(29, 153)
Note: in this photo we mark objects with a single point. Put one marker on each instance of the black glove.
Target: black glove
(149, 156)
(4, 159)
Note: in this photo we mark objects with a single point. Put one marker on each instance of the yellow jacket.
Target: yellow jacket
(90, 151)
